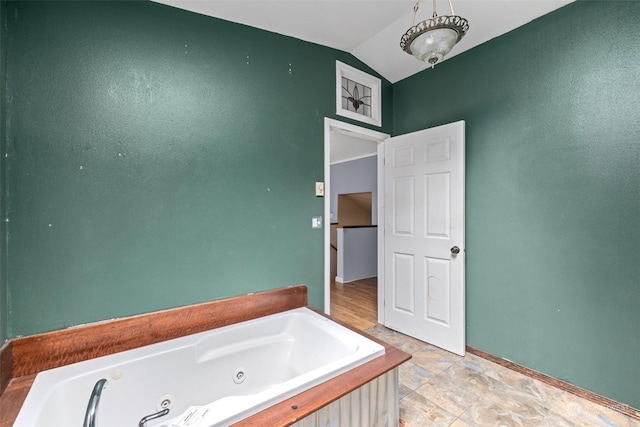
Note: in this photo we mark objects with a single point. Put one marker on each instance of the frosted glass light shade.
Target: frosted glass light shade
(433, 45)
(431, 40)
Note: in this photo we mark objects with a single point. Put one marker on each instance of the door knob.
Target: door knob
(455, 250)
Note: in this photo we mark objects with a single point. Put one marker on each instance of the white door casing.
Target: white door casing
(363, 133)
(424, 284)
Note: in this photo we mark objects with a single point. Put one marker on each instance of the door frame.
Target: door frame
(364, 133)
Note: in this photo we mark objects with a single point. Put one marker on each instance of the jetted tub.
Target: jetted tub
(222, 375)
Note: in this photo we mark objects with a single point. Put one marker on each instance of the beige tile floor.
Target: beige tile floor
(438, 388)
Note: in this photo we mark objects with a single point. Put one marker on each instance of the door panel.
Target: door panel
(424, 219)
(404, 206)
(437, 209)
(404, 292)
(438, 296)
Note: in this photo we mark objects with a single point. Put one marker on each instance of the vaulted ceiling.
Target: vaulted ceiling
(371, 29)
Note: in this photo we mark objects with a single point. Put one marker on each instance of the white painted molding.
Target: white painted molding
(379, 137)
(364, 156)
(353, 74)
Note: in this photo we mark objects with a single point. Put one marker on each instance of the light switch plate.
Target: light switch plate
(316, 222)
(319, 188)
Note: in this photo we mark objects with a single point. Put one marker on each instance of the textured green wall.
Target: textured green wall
(553, 190)
(158, 158)
(4, 306)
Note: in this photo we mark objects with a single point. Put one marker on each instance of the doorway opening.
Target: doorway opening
(352, 169)
(354, 210)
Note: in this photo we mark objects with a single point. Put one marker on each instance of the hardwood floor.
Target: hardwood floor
(356, 303)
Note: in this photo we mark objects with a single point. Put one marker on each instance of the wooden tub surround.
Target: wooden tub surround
(22, 358)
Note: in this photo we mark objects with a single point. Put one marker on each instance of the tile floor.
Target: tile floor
(438, 388)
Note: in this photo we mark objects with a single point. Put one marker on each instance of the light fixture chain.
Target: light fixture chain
(435, 14)
(451, 8)
(415, 12)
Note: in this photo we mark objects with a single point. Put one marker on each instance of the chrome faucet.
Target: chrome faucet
(92, 406)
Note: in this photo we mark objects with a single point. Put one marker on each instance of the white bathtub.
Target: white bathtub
(232, 372)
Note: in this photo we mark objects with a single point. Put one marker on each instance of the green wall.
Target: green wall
(553, 190)
(158, 158)
(4, 307)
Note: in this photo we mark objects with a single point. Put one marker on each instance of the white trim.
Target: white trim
(335, 125)
(344, 70)
(364, 156)
(381, 225)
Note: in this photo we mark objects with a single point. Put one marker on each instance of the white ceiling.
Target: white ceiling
(346, 146)
(371, 29)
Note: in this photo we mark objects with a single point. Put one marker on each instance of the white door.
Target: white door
(424, 235)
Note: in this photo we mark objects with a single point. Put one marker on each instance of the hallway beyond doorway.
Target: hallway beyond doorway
(355, 303)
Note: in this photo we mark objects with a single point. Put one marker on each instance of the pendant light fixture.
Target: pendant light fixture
(432, 39)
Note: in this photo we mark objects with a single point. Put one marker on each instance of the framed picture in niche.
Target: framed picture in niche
(358, 95)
